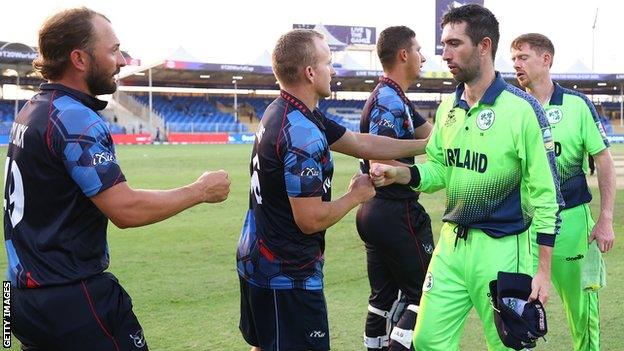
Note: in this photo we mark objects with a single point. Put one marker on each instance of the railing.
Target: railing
(205, 127)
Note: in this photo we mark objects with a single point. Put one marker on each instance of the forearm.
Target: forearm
(385, 148)
(390, 163)
(141, 207)
(606, 184)
(327, 214)
(545, 256)
(157, 205)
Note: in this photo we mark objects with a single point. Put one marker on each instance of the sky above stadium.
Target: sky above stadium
(240, 31)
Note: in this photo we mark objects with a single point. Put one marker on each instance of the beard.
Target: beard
(470, 71)
(99, 82)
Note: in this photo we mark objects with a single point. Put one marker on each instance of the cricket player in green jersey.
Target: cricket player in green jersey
(576, 132)
(492, 150)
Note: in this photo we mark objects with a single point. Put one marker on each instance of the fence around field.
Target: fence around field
(205, 127)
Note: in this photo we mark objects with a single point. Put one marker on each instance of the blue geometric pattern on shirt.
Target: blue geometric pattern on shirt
(89, 153)
(262, 271)
(388, 117)
(14, 268)
(306, 149)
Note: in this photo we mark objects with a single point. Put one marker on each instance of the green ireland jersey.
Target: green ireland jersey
(496, 160)
(576, 131)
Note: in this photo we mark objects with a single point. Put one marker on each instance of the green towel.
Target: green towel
(593, 273)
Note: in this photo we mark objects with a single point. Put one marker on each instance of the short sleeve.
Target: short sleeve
(306, 150)
(333, 130)
(83, 142)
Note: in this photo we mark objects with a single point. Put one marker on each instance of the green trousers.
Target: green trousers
(458, 279)
(569, 253)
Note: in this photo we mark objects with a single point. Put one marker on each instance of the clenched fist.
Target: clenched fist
(361, 187)
(214, 186)
(382, 174)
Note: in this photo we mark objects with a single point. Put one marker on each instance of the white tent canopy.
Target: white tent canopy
(263, 59)
(348, 62)
(334, 44)
(182, 55)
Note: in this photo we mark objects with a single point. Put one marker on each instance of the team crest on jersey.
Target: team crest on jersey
(554, 115)
(548, 140)
(485, 119)
(450, 118)
(428, 283)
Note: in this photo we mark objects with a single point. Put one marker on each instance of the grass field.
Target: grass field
(182, 277)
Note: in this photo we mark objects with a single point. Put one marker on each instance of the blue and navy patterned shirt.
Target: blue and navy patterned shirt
(60, 154)
(290, 158)
(389, 112)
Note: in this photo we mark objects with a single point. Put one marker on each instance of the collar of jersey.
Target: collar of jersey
(315, 116)
(557, 95)
(490, 96)
(394, 85)
(88, 100)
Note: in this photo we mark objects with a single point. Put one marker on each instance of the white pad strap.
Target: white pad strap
(402, 336)
(413, 308)
(377, 311)
(377, 342)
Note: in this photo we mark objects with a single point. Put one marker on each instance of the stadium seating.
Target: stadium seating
(192, 114)
(201, 113)
(7, 109)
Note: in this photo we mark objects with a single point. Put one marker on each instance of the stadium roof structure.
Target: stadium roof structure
(435, 79)
(181, 70)
(16, 64)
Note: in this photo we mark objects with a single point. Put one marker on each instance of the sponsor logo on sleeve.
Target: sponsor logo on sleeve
(548, 140)
(310, 172)
(601, 129)
(102, 158)
(428, 283)
(386, 123)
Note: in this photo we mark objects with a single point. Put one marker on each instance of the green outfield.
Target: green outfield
(182, 277)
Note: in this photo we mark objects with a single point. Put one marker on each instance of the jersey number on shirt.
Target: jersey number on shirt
(14, 185)
(255, 180)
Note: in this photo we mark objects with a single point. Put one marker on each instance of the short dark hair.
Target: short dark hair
(391, 41)
(538, 42)
(59, 35)
(294, 51)
(480, 23)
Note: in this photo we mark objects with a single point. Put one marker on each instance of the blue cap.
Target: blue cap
(519, 323)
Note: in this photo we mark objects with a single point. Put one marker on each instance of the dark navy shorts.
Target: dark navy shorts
(283, 319)
(94, 314)
(399, 245)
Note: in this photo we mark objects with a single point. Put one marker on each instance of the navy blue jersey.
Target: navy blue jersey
(60, 154)
(389, 112)
(290, 158)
